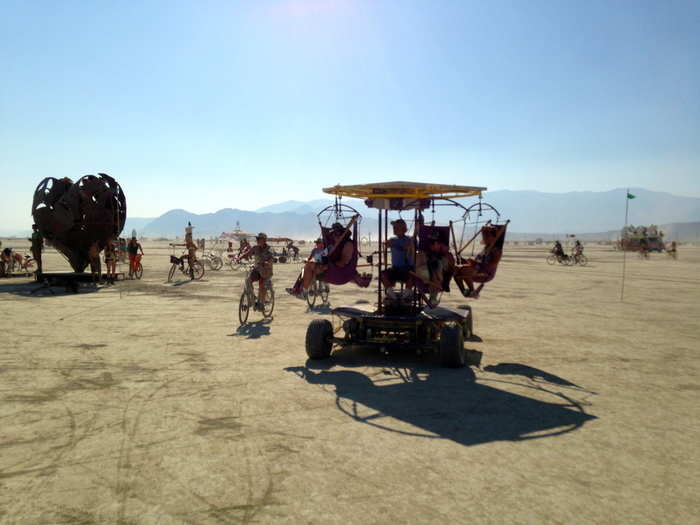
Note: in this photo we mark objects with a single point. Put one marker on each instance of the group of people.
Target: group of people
(558, 249)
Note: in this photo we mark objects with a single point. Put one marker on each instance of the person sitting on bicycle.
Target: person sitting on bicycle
(133, 249)
(229, 249)
(578, 248)
(402, 263)
(558, 250)
(262, 264)
(243, 249)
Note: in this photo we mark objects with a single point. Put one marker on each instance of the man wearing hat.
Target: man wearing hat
(262, 264)
(402, 263)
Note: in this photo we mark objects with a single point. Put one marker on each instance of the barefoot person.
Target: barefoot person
(111, 260)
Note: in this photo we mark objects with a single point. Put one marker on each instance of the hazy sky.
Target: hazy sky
(204, 104)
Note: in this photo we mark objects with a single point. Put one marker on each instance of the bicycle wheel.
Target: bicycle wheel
(582, 260)
(325, 292)
(551, 259)
(139, 271)
(269, 304)
(311, 294)
(243, 307)
(198, 270)
(216, 263)
(171, 273)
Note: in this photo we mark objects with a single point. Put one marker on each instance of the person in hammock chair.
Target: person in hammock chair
(481, 268)
(435, 264)
(338, 267)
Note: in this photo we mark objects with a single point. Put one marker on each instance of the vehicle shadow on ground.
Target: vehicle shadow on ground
(444, 403)
(254, 330)
(35, 289)
(534, 374)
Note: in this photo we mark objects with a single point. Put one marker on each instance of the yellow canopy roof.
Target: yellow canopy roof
(413, 190)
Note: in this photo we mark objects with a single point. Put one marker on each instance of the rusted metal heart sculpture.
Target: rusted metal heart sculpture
(74, 216)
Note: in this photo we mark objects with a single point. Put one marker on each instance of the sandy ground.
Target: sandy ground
(145, 403)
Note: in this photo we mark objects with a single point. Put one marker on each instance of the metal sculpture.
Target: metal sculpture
(75, 217)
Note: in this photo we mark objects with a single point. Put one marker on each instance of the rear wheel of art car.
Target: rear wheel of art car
(319, 339)
(452, 346)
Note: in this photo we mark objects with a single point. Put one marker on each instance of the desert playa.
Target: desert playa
(145, 402)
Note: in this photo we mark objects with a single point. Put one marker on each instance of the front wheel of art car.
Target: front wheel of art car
(452, 347)
(319, 339)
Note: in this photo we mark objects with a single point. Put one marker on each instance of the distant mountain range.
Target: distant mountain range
(530, 212)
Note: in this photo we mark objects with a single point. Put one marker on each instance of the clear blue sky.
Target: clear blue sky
(205, 104)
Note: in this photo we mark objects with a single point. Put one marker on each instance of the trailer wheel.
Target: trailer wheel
(452, 346)
(319, 339)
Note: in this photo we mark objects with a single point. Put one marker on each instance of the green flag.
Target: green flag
(630, 196)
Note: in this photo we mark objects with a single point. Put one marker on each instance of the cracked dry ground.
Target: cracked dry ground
(145, 403)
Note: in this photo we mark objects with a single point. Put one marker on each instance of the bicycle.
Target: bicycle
(235, 262)
(194, 272)
(320, 289)
(214, 262)
(138, 270)
(564, 260)
(250, 300)
(579, 258)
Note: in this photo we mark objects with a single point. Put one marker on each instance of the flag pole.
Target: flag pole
(622, 244)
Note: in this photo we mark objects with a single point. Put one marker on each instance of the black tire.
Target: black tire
(319, 339)
(325, 292)
(243, 308)
(468, 327)
(269, 304)
(551, 259)
(138, 273)
(171, 273)
(311, 294)
(216, 263)
(452, 353)
(282, 259)
(198, 270)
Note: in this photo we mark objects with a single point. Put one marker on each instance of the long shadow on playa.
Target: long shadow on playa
(534, 374)
(34, 289)
(442, 403)
(254, 330)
